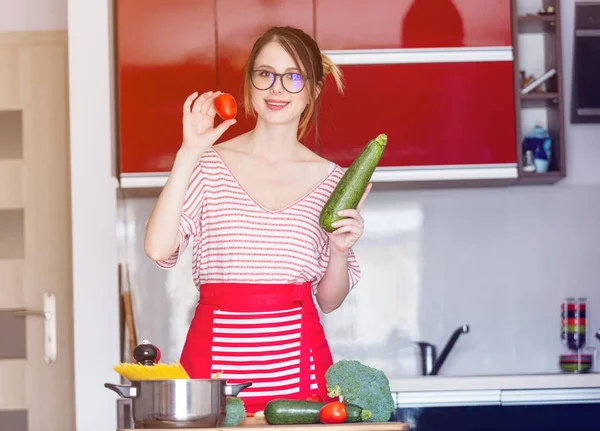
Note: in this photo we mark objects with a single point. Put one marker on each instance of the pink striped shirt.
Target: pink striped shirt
(236, 240)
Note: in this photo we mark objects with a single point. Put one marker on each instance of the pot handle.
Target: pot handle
(124, 391)
(234, 390)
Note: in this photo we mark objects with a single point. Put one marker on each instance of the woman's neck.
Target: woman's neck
(274, 142)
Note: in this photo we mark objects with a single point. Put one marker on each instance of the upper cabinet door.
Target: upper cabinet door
(165, 52)
(237, 29)
(434, 114)
(381, 24)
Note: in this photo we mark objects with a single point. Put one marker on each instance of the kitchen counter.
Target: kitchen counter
(427, 391)
(378, 426)
(524, 381)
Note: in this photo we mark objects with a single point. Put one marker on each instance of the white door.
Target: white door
(36, 336)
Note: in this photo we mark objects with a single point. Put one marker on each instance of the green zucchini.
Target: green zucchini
(292, 412)
(357, 413)
(353, 183)
(298, 412)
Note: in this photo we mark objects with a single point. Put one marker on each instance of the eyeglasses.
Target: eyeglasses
(292, 82)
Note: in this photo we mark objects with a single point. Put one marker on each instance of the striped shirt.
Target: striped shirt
(237, 240)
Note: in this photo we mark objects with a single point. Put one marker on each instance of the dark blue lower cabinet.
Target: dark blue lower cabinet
(547, 417)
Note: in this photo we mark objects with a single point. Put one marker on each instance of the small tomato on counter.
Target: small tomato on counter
(333, 413)
(225, 106)
(316, 397)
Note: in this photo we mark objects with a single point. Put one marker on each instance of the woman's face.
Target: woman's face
(282, 103)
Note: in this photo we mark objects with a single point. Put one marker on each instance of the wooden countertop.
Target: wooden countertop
(363, 426)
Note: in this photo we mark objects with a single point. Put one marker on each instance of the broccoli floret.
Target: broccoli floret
(235, 411)
(362, 385)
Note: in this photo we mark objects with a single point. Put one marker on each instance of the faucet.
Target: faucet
(430, 363)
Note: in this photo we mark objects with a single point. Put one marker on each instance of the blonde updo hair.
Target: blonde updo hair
(308, 58)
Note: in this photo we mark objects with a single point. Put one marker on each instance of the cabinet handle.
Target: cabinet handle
(49, 316)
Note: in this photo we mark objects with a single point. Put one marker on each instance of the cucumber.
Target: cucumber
(298, 412)
(292, 412)
(353, 183)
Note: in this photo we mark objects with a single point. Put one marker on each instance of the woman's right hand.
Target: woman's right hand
(199, 133)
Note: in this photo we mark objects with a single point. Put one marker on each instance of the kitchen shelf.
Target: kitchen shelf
(540, 108)
(539, 178)
(534, 100)
(12, 238)
(536, 23)
(539, 96)
(11, 134)
(537, 18)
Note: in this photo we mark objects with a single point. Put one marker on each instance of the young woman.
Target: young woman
(252, 206)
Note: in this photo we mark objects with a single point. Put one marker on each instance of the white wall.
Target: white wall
(95, 289)
(95, 285)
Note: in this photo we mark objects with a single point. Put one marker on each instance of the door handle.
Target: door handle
(39, 313)
(49, 316)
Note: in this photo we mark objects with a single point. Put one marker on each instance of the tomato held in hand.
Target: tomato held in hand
(226, 106)
(333, 413)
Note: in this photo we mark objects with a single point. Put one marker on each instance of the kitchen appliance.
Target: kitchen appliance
(360, 426)
(585, 89)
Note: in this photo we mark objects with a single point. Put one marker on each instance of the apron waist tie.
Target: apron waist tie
(254, 297)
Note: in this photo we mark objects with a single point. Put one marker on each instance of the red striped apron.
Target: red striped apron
(269, 334)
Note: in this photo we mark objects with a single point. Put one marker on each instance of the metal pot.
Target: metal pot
(178, 403)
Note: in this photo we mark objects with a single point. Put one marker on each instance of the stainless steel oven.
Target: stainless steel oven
(585, 95)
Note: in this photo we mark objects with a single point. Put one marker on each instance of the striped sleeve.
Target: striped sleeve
(354, 272)
(189, 220)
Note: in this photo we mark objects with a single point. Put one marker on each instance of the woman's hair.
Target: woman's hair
(309, 59)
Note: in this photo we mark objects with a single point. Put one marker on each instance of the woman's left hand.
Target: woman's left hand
(350, 228)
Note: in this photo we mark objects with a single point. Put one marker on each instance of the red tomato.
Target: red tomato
(226, 106)
(317, 398)
(333, 413)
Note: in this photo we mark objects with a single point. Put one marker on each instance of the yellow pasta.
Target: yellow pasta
(135, 372)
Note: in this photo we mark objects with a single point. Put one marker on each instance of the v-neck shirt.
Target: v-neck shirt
(235, 239)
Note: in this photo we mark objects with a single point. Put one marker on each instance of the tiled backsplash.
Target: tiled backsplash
(498, 259)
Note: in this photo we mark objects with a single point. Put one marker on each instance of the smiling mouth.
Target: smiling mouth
(276, 105)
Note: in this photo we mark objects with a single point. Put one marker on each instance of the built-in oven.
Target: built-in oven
(585, 94)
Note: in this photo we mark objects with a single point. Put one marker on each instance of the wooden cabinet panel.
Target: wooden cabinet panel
(238, 29)
(355, 24)
(433, 114)
(166, 51)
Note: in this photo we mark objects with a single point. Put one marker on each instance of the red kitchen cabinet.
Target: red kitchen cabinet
(380, 24)
(237, 30)
(165, 52)
(434, 114)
